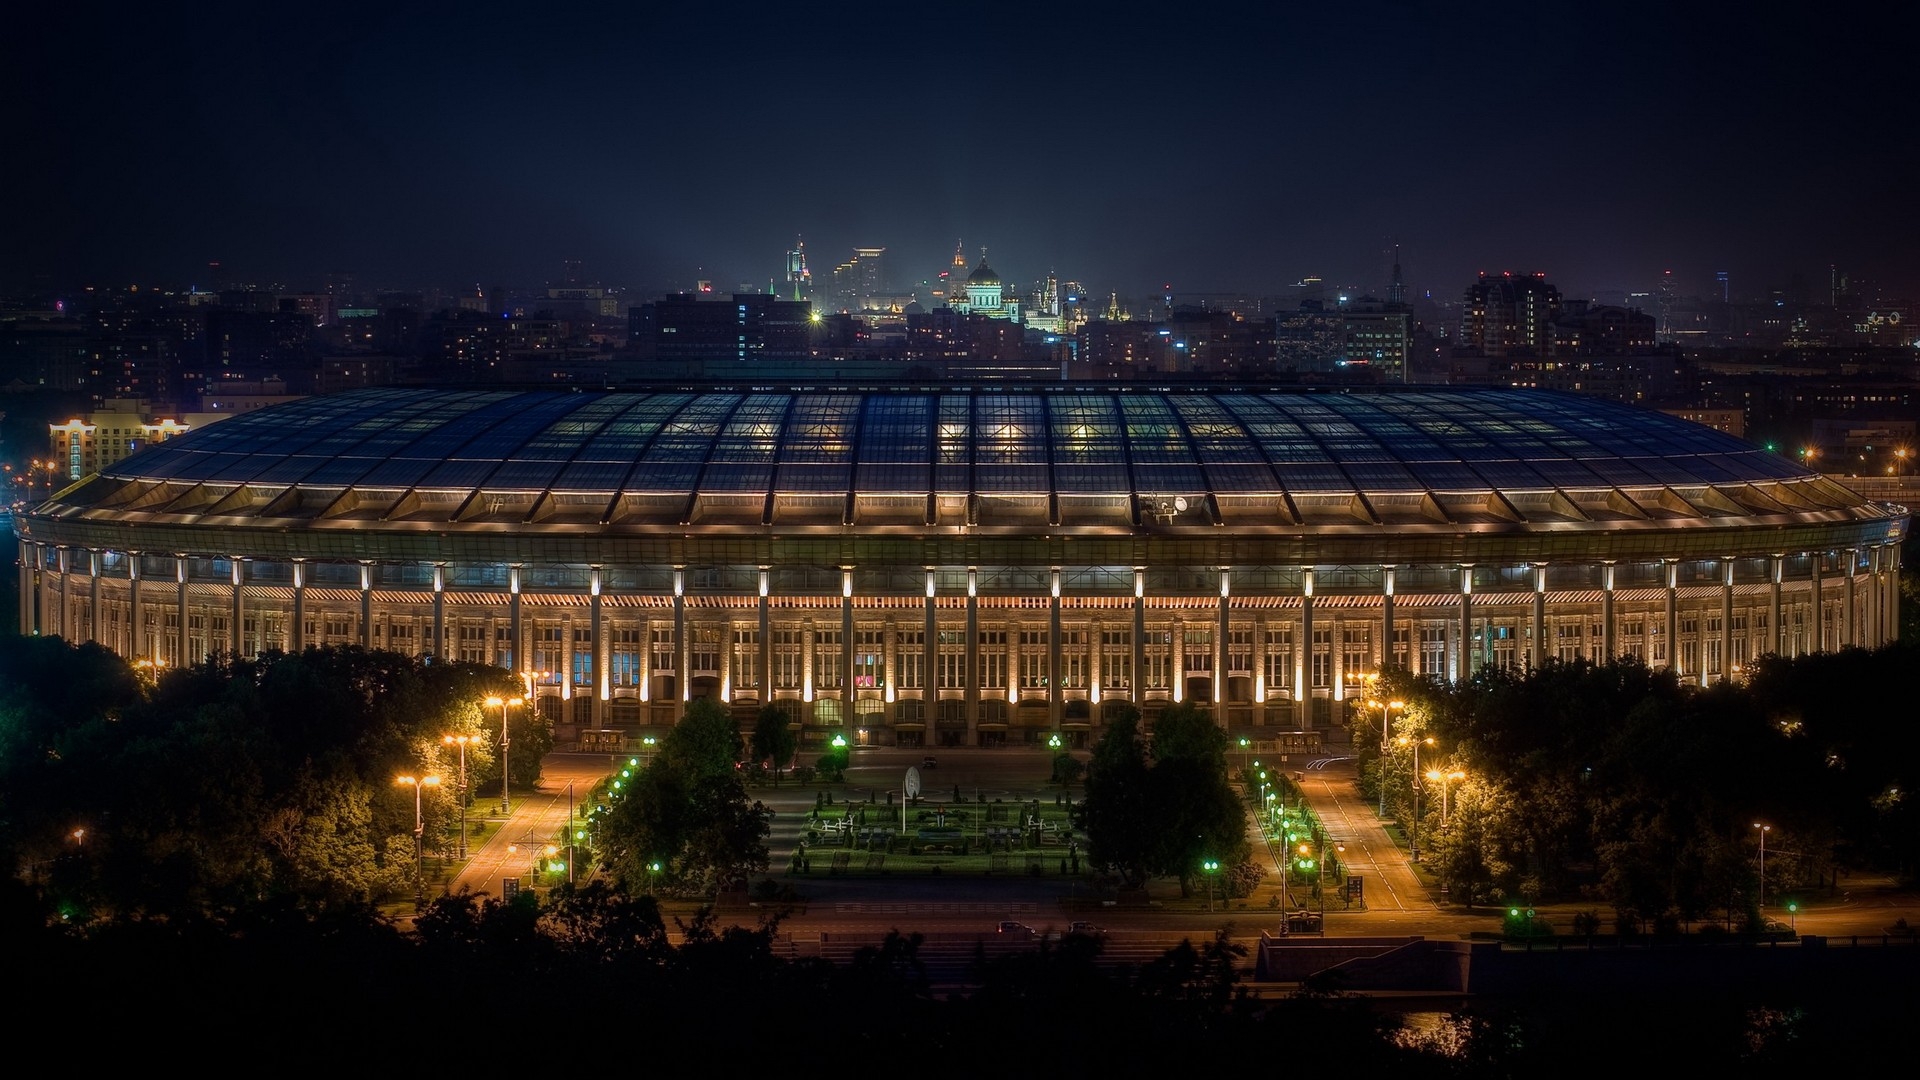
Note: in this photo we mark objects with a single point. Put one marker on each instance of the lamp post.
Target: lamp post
(419, 829)
(461, 741)
(1444, 778)
(1413, 784)
(505, 744)
(1210, 867)
(569, 832)
(1386, 709)
(1764, 830)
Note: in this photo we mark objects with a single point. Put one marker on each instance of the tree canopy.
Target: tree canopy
(1624, 783)
(684, 822)
(1166, 813)
(230, 781)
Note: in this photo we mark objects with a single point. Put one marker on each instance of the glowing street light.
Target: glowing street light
(1764, 830)
(461, 741)
(505, 743)
(1386, 711)
(1413, 782)
(1443, 779)
(419, 828)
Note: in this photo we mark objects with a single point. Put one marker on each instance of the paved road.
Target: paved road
(957, 912)
(534, 819)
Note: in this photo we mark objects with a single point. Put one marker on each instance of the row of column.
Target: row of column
(1870, 617)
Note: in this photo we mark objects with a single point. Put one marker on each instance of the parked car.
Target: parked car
(1085, 928)
(1011, 928)
(928, 763)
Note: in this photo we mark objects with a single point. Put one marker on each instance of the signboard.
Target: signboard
(509, 888)
(912, 785)
(1353, 888)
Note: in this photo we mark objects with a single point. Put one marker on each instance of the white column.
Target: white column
(1055, 704)
(596, 662)
(1220, 649)
(1539, 614)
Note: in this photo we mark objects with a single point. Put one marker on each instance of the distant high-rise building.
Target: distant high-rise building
(1376, 337)
(799, 280)
(858, 280)
(1726, 286)
(1663, 313)
(1508, 315)
(1396, 289)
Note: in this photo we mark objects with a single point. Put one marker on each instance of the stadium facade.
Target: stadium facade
(941, 565)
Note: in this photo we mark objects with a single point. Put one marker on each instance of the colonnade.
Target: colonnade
(969, 661)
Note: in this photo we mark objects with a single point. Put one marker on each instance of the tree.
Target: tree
(773, 739)
(1115, 812)
(706, 741)
(1187, 731)
(684, 822)
(1166, 816)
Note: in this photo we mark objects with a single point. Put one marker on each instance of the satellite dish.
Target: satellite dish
(1180, 503)
(912, 784)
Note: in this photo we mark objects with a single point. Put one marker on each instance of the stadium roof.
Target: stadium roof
(1051, 456)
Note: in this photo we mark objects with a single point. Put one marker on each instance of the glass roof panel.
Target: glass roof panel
(591, 476)
(1320, 477)
(523, 476)
(1154, 433)
(1024, 440)
(1009, 430)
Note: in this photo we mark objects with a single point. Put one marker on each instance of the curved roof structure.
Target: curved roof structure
(1052, 457)
(983, 275)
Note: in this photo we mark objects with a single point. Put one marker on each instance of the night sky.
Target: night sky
(1218, 148)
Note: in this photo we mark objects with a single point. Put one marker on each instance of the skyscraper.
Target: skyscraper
(858, 280)
(799, 281)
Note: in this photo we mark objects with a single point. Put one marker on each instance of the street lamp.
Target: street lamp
(1764, 830)
(1444, 778)
(1413, 783)
(461, 741)
(1210, 867)
(505, 743)
(1386, 709)
(570, 836)
(419, 828)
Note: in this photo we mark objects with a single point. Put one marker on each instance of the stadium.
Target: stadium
(963, 566)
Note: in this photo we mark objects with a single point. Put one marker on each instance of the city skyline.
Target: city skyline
(1237, 151)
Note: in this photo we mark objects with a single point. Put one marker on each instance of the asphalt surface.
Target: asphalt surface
(961, 913)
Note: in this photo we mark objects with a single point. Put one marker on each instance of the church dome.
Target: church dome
(983, 275)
